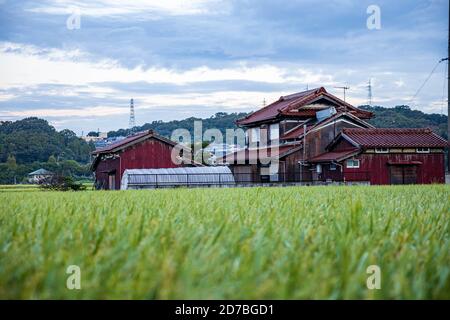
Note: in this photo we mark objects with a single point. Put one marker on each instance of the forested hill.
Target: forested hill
(404, 117)
(34, 140)
(398, 117)
(220, 120)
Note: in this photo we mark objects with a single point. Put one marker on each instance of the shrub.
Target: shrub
(61, 183)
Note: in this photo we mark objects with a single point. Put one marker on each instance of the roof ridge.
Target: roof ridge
(389, 130)
(301, 94)
(394, 137)
(130, 139)
(260, 110)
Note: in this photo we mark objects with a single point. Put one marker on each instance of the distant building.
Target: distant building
(108, 141)
(39, 176)
(102, 140)
(101, 136)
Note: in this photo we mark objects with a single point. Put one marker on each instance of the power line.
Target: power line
(428, 78)
(443, 89)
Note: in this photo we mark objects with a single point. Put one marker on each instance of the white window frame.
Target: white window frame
(333, 166)
(381, 150)
(423, 150)
(353, 166)
(274, 131)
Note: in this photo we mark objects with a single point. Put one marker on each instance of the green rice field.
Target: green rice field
(232, 243)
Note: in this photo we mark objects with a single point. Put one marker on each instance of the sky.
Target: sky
(77, 64)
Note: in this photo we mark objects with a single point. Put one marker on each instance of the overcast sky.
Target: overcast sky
(195, 58)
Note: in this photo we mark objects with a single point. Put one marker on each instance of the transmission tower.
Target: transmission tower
(369, 94)
(132, 122)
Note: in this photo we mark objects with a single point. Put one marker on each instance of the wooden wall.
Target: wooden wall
(317, 141)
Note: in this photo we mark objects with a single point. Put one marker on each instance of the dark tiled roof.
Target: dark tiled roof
(402, 138)
(291, 105)
(272, 110)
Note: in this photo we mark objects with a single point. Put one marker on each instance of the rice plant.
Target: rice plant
(237, 243)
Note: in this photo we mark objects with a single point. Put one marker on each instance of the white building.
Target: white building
(39, 175)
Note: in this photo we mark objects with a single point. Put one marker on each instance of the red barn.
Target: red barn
(383, 156)
(141, 151)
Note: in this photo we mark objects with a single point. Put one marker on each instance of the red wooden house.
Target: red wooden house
(383, 156)
(277, 131)
(140, 151)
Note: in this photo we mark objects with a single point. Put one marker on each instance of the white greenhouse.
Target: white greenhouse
(176, 177)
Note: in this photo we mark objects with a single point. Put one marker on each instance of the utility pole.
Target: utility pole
(448, 95)
(343, 88)
(302, 162)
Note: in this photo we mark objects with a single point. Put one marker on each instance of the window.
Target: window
(381, 150)
(353, 163)
(423, 150)
(333, 167)
(274, 131)
(319, 168)
(255, 135)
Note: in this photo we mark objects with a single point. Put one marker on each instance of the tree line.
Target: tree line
(30, 144)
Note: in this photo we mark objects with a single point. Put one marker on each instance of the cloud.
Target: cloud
(399, 83)
(55, 112)
(227, 100)
(144, 8)
(25, 65)
(194, 58)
